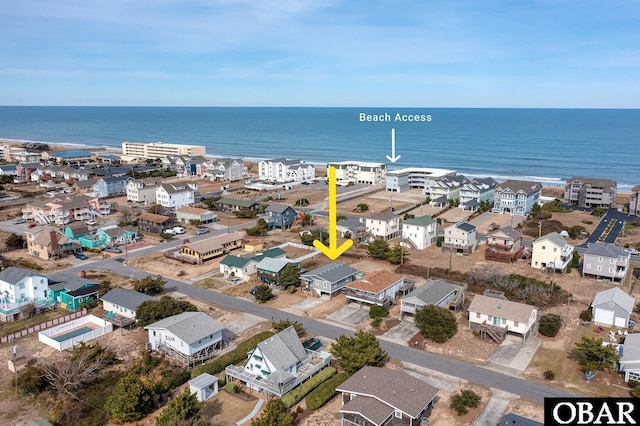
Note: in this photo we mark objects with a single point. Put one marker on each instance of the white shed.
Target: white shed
(201, 386)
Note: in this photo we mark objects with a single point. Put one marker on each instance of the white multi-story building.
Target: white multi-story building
(223, 169)
(360, 172)
(460, 238)
(175, 194)
(143, 191)
(285, 170)
(385, 225)
(551, 251)
(145, 150)
(19, 287)
(516, 197)
(419, 232)
(417, 177)
(448, 187)
(475, 192)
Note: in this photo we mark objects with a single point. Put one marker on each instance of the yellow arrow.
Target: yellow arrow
(333, 251)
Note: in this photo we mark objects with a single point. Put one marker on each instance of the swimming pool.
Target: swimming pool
(71, 334)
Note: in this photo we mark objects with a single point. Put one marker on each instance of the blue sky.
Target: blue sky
(491, 53)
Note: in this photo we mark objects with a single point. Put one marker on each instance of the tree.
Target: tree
(210, 202)
(261, 228)
(377, 311)
(409, 216)
(263, 293)
(592, 355)
(397, 255)
(362, 207)
(378, 249)
(14, 242)
(354, 352)
(307, 238)
(275, 414)
(286, 323)
(436, 323)
(184, 409)
(598, 212)
(27, 310)
(151, 284)
(105, 287)
(151, 311)
(550, 325)
(129, 400)
(289, 275)
(195, 222)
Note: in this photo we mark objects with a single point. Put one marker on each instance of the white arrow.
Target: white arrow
(393, 157)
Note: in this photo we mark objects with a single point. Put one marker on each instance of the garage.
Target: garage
(621, 322)
(603, 316)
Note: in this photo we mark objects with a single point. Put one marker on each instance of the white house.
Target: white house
(460, 238)
(175, 194)
(414, 177)
(19, 287)
(142, 191)
(629, 363)
(123, 302)
(185, 214)
(516, 197)
(448, 187)
(419, 232)
(189, 337)
(612, 307)
(551, 251)
(385, 225)
(278, 364)
(285, 170)
(477, 191)
(500, 316)
(360, 172)
(222, 169)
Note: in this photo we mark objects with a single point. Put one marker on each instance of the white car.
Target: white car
(91, 223)
(177, 230)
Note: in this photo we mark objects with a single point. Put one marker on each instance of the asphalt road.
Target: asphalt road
(460, 369)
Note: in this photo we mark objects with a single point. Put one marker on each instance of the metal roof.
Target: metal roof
(188, 326)
(332, 272)
(126, 298)
(283, 349)
(14, 275)
(615, 295)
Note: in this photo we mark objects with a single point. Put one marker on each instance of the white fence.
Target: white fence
(46, 336)
(42, 326)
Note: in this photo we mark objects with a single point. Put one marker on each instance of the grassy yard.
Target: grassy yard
(12, 327)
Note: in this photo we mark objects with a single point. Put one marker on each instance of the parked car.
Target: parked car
(113, 249)
(32, 225)
(234, 281)
(168, 231)
(18, 221)
(177, 230)
(80, 256)
(91, 223)
(201, 231)
(253, 290)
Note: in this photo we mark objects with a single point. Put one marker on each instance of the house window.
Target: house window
(599, 268)
(490, 317)
(516, 324)
(477, 314)
(600, 259)
(555, 249)
(504, 320)
(398, 414)
(612, 261)
(544, 247)
(610, 269)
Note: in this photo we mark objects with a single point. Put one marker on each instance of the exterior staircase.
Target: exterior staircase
(498, 334)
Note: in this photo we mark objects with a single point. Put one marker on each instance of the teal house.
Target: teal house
(117, 236)
(71, 291)
(79, 232)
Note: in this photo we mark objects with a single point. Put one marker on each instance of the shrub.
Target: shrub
(233, 388)
(550, 325)
(233, 357)
(549, 374)
(436, 323)
(543, 216)
(182, 273)
(377, 311)
(30, 265)
(461, 402)
(222, 379)
(587, 315)
(376, 322)
(31, 380)
(291, 289)
(323, 393)
(587, 221)
(292, 398)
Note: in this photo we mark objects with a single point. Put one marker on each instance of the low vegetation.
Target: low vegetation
(380, 249)
(461, 402)
(354, 352)
(278, 326)
(323, 393)
(263, 293)
(151, 311)
(592, 355)
(275, 413)
(550, 325)
(292, 398)
(151, 284)
(436, 323)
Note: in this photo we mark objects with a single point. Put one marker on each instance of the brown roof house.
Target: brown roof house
(151, 222)
(378, 288)
(504, 245)
(376, 396)
(49, 243)
(202, 250)
(496, 317)
(186, 214)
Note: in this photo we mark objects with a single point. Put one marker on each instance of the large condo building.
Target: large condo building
(417, 177)
(160, 149)
(360, 172)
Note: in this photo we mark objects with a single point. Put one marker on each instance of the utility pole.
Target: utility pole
(539, 229)
(15, 365)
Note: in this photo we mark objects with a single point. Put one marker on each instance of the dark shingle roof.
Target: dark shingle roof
(277, 208)
(126, 298)
(432, 291)
(466, 227)
(13, 274)
(70, 282)
(520, 185)
(606, 250)
(332, 272)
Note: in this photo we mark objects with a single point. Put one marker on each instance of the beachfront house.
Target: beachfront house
(122, 302)
(634, 201)
(279, 216)
(278, 364)
(189, 338)
(285, 170)
(551, 252)
(448, 187)
(437, 292)
(414, 178)
(476, 192)
(200, 251)
(375, 396)
(460, 237)
(222, 169)
(327, 279)
(143, 191)
(612, 307)
(378, 288)
(22, 293)
(495, 317)
(245, 266)
(189, 214)
(504, 245)
(111, 186)
(385, 225)
(419, 232)
(590, 192)
(359, 172)
(71, 156)
(71, 291)
(155, 223)
(47, 243)
(606, 260)
(516, 197)
(172, 195)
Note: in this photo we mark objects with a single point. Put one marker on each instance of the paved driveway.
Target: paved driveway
(304, 305)
(402, 332)
(352, 315)
(512, 356)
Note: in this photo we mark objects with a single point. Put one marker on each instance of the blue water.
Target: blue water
(548, 145)
(71, 334)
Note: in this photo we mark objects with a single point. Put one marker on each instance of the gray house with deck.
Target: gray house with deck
(327, 279)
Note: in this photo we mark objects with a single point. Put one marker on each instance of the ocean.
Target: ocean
(545, 145)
